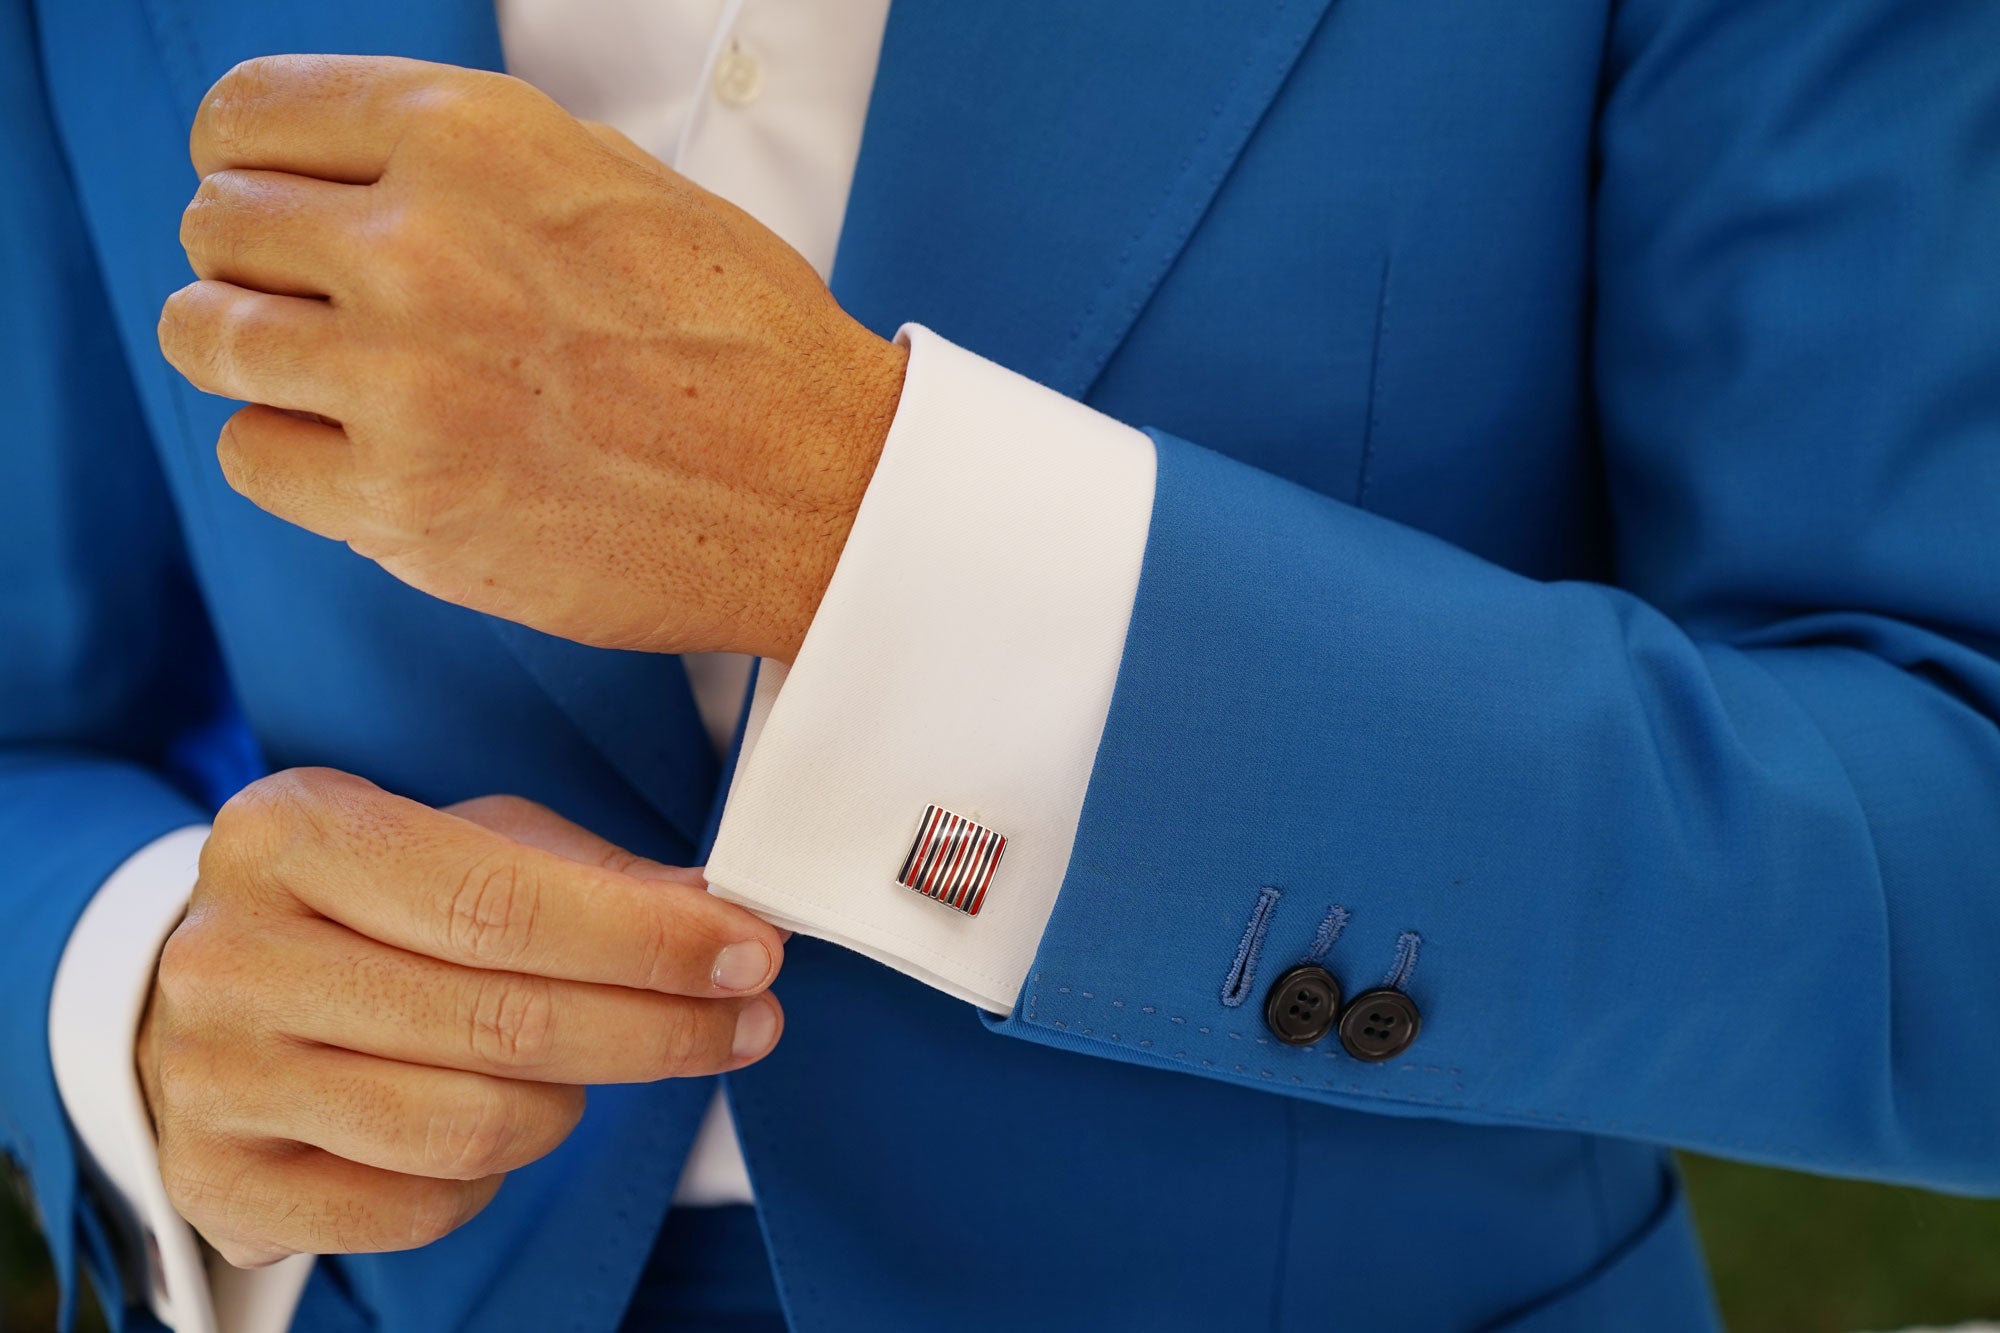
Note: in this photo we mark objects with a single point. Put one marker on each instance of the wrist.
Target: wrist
(852, 428)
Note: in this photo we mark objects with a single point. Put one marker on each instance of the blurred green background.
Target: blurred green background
(1790, 1254)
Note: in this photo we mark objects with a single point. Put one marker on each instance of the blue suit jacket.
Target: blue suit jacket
(1575, 546)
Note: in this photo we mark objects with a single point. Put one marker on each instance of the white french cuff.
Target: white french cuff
(101, 987)
(963, 657)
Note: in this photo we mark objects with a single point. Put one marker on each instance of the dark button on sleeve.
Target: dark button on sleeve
(1302, 1005)
(1379, 1025)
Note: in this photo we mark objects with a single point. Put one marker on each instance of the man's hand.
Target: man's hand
(374, 1010)
(516, 361)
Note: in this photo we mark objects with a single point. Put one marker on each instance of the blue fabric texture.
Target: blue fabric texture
(1575, 547)
(709, 1273)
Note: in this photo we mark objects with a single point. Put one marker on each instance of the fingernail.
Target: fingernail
(756, 1029)
(741, 966)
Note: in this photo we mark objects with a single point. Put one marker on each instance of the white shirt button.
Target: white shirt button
(739, 77)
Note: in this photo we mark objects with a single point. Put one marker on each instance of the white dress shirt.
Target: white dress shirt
(990, 702)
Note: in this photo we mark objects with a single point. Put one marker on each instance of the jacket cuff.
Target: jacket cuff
(963, 657)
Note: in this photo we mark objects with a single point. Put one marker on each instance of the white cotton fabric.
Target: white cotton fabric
(964, 656)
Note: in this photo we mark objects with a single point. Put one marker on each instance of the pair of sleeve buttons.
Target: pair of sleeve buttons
(1304, 1005)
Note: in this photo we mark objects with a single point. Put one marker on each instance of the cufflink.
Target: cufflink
(952, 860)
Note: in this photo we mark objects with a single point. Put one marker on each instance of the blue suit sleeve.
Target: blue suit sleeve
(1710, 857)
(107, 670)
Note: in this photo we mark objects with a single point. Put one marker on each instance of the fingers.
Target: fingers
(420, 1121)
(369, 998)
(256, 1207)
(435, 884)
(237, 343)
(538, 826)
(319, 1088)
(297, 469)
(278, 233)
(335, 117)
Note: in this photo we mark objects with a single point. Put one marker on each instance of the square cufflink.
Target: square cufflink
(952, 860)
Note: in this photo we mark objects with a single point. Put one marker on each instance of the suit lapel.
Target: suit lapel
(1031, 170)
(636, 709)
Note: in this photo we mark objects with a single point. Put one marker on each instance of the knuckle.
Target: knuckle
(238, 843)
(181, 335)
(252, 78)
(199, 223)
(687, 1042)
(238, 461)
(209, 975)
(240, 814)
(490, 910)
(230, 109)
(443, 113)
(256, 838)
(254, 823)
(434, 1213)
(180, 1080)
(404, 498)
(469, 99)
(441, 102)
(470, 1138)
(409, 482)
(205, 1065)
(464, 121)
(660, 947)
(244, 334)
(183, 969)
(286, 803)
(257, 802)
(218, 199)
(401, 237)
(423, 268)
(205, 1187)
(513, 1021)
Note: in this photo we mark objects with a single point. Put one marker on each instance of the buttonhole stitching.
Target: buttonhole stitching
(1243, 971)
(1406, 960)
(1328, 932)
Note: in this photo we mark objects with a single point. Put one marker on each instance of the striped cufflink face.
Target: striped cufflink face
(952, 860)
